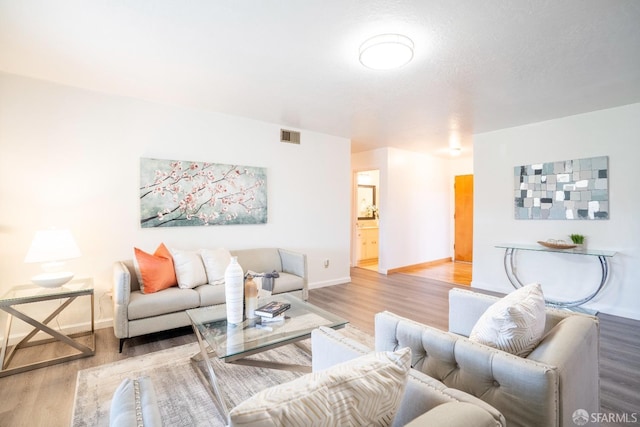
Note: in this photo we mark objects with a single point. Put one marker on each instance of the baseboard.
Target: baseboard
(316, 285)
(421, 265)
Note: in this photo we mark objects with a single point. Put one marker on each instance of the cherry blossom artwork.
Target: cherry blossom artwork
(175, 193)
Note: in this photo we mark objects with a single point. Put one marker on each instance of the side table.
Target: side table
(25, 294)
(511, 271)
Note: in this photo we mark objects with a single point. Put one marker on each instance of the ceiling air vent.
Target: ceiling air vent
(289, 136)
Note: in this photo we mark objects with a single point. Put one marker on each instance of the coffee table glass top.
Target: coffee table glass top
(228, 340)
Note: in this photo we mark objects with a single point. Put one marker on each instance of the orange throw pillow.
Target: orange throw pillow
(156, 271)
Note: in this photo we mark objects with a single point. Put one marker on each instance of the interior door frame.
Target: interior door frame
(354, 214)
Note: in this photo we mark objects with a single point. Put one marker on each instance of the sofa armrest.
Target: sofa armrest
(330, 348)
(465, 308)
(572, 346)
(121, 293)
(296, 263)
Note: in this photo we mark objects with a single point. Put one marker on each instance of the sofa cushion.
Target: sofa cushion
(154, 272)
(211, 294)
(215, 263)
(363, 391)
(455, 414)
(134, 404)
(190, 270)
(287, 283)
(167, 301)
(515, 323)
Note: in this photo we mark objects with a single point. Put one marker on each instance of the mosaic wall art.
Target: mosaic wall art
(570, 189)
(177, 193)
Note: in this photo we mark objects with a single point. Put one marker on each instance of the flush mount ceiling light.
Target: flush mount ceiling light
(455, 148)
(386, 51)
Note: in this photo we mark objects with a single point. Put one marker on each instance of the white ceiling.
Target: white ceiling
(479, 65)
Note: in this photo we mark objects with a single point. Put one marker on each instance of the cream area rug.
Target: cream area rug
(184, 395)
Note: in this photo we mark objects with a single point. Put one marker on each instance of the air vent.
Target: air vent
(289, 136)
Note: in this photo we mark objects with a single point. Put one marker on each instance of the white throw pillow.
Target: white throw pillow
(215, 263)
(515, 323)
(362, 391)
(189, 268)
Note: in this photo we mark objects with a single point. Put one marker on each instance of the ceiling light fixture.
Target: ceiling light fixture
(455, 147)
(386, 51)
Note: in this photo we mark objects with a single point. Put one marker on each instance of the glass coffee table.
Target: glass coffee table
(235, 343)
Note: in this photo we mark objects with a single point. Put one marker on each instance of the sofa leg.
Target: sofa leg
(121, 344)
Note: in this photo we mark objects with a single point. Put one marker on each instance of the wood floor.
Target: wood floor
(446, 271)
(44, 397)
(450, 272)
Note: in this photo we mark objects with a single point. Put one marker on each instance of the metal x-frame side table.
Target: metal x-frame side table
(24, 294)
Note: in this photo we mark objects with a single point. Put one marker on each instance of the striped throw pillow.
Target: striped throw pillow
(363, 391)
(515, 323)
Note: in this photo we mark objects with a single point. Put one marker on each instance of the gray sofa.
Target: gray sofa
(557, 378)
(136, 313)
(426, 401)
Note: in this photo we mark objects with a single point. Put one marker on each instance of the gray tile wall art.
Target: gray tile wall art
(570, 189)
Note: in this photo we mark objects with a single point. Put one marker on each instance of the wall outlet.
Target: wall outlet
(326, 263)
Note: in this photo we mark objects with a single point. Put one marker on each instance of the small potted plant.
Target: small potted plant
(577, 239)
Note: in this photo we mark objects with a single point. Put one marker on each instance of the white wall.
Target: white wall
(415, 218)
(612, 132)
(70, 158)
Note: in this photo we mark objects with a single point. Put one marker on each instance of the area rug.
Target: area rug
(184, 395)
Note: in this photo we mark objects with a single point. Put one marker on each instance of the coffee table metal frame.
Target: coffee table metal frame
(25, 294)
(252, 337)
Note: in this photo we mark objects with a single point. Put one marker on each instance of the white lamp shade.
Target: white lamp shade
(386, 51)
(52, 245)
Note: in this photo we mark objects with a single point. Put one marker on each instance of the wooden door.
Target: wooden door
(463, 242)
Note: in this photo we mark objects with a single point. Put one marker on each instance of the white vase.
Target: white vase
(234, 291)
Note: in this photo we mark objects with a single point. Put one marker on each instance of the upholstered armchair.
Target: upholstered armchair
(545, 388)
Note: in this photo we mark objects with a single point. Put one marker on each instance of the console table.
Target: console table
(25, 294)
(510, 249)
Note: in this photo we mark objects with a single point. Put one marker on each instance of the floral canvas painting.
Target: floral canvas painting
(175, 193)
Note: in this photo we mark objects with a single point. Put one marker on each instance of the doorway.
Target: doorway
(366, 230)
(463, 218)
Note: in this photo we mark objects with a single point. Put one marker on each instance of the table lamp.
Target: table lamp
(52, 248)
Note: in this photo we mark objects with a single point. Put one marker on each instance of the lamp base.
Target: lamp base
(52, 280)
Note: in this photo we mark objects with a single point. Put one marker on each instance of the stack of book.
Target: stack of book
(273, 311)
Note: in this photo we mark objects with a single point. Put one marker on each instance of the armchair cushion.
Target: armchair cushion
(515, 323)
(364, 391)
